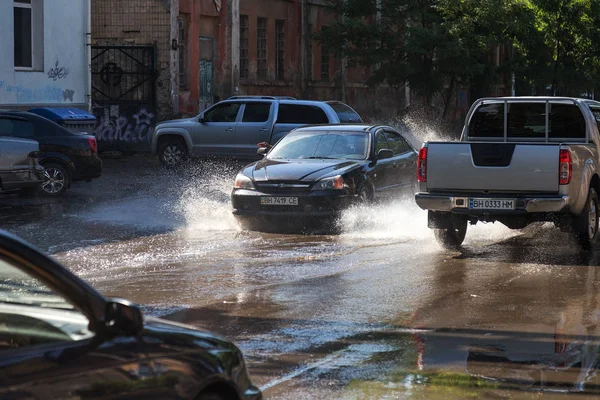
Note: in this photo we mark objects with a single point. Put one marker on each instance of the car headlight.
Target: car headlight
(243, 182)
(333, 183)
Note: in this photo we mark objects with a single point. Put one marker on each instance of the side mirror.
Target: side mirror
(262, 151)
(384, 153)
(123, 317)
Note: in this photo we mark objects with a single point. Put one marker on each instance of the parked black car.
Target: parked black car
(316, 172)
(59, 337)
(66, 156)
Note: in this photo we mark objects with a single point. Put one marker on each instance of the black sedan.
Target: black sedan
(66, 156)
(316, 172)
(62, 339)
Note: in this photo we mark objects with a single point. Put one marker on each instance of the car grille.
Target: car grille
(283, 187)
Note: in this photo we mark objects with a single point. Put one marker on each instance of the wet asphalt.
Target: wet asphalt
(378, 311)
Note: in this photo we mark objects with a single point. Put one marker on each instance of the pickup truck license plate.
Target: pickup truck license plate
(491, 204)
(279, 201)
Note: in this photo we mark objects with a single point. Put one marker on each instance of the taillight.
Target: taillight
(565, 167)
(93, 144)
(422, 165)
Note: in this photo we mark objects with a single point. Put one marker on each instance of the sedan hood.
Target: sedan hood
(171, 332)
(300, 170)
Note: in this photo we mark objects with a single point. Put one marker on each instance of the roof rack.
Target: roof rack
(262, 97)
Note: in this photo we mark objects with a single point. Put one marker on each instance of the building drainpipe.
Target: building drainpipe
(88, 45)
(235, 46)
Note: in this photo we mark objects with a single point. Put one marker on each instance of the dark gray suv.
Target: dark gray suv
(232, 128)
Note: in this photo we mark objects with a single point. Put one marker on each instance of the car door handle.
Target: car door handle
(229, 130)
(264, 130)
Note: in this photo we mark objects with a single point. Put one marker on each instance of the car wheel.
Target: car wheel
(364, 196)
(452, 238)
(56, 180)
(172, 154)
(586, 223)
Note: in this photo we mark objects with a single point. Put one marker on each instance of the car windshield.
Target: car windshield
(16, 287)
(322, 145)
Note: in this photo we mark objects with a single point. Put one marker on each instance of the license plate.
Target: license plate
(279, 201)
(489, 204)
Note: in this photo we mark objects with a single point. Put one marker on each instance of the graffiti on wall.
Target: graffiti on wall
(58, 72)
(118, 126)
(43, 94)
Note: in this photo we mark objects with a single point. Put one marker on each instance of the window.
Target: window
(309, 53)
(322, 144)
(345, 113)
(487, 121)
(380, 142)
(566, 121)
(261, 48)
(182, 55)
(16, 128)
(528, 120)
(32, 314)
(28, 23)
(397, 143)
(224, 112)
(279, 46)
(301, 115)
(243, 46)
(23, 25)
(256, 112)
(324, 59)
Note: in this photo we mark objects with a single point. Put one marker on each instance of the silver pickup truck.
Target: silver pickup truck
(519, 160)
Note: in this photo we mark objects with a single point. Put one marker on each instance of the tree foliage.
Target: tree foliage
(437, 45)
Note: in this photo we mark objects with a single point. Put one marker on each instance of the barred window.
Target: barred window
(243, 46)
(261, 48)
(182, 57)
(279, 46)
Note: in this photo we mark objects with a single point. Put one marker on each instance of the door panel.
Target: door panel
(216, 134)
(404, 161)
(254, 127)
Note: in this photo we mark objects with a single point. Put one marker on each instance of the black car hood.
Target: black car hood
(300, 170)
(171, 333)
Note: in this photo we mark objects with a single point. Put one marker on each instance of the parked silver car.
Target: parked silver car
(19, 167)
(233, 127)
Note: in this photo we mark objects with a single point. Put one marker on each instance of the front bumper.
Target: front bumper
(524, 204)
(247, 203)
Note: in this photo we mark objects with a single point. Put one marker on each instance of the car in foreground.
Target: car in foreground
(231, 128)
(60, 337)
(19, 166)
(67, 157)
(314, 173)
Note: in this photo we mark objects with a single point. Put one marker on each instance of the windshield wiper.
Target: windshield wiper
(321, 158)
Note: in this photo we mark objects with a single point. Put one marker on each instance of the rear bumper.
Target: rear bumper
(524, 204)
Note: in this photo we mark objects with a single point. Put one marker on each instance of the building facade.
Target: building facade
(45, 59)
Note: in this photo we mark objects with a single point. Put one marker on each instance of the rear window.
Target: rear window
(301, 115)
(528, 121)
(345, 113)
(16, 128)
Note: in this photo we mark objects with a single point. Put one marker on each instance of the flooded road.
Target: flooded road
(379, 311)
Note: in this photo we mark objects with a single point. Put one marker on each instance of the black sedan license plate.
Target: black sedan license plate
(489, 204)
(279, 201)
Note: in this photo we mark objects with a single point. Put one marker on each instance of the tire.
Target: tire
(56, 180)
(212, 396)
(586, 223)
(453, 237)
(364, 198)
(172, 153)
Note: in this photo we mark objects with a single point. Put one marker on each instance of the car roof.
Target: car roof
(284, 100)
(344, 127)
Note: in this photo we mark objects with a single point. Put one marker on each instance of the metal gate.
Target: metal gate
(124, 96)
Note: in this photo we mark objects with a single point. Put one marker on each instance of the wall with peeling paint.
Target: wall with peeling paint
(60, 79)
